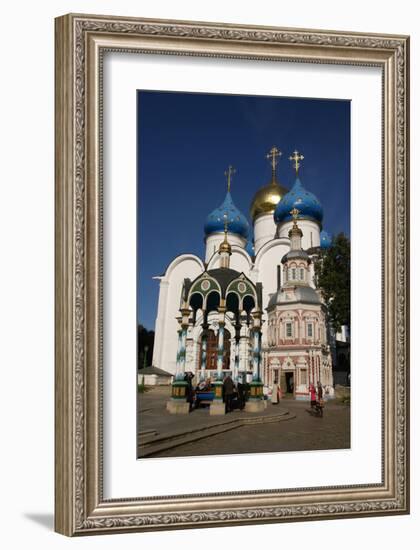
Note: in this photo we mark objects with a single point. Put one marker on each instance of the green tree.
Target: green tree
(145, 343)
(332, 276)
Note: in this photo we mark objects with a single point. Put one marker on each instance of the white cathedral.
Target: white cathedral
(250, 309)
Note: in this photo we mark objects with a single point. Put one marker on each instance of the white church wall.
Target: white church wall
(310, 230)
(240, 260)
(312, 274)
(264, 230)
(166, 338)
(213, 242)
(266, 262)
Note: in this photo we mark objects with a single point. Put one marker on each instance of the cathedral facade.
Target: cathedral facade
(250, 308)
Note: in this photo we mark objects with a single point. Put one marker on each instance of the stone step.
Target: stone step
(222, 422)
(169, 441)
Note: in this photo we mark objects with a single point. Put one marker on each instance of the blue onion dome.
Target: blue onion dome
(237, 223)
(326, 240)
(306, 202)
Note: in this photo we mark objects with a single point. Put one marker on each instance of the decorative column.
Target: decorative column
(182, 352)
(256, 398)
(178, 367)
(313, 366)
(236, 363)
(220, 346)
(310, 367)
(218, 407)
(256, 354)
(243, 346)
(178, 403)
(204, 351)
(319, 367)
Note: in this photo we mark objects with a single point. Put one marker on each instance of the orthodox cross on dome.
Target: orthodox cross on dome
(294, 212)
(229, 173)
(272, 156)
(295, 158)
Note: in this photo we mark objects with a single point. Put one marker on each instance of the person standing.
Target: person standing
(319, 391)
(228, 392)
(275, 394)
(312, 394)
(320, 395)
(189, 389)
(241, 394)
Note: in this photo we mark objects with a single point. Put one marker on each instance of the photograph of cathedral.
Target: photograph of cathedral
(244, 214)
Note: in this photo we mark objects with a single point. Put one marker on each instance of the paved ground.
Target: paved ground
(305, 432)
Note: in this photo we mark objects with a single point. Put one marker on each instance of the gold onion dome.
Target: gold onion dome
(267, 198)
(225, 247)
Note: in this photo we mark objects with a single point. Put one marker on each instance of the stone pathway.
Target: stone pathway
(206, 435)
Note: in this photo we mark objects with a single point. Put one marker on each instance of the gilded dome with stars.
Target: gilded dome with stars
(267, 198)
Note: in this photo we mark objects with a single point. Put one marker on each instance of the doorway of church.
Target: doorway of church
(211, 352)
(290, 383)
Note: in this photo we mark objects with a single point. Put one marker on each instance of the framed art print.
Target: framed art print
(231, 274)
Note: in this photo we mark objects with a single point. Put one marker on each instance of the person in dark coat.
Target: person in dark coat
(189, 390)
(319, 390)
(241, 395)
(228, 392)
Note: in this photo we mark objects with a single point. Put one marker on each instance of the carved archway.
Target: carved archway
(211, 350)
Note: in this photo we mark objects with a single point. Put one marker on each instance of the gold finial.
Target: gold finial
(272, 157)
(295, 230)
(224, 245)
(229, 173)
(294, 212)
(296, 157)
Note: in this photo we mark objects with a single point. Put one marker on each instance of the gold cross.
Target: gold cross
(229, 173)
(272, 157)
(296, 157)
(294, 213)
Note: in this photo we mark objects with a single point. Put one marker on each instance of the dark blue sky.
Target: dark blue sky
(185, 143)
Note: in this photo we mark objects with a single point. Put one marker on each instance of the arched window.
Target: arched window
(248, 303)
(302, 274)
(213, 301)
(232, 303)
(310, 330)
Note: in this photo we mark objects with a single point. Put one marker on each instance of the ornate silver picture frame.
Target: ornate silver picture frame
(80, 505)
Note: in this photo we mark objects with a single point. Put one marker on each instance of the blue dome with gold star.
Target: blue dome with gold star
(325, 240)
(298, 197)
(237, 223)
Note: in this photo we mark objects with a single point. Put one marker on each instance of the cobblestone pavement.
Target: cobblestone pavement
(305, 432)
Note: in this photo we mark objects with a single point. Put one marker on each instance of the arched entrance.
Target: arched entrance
(211, 352)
